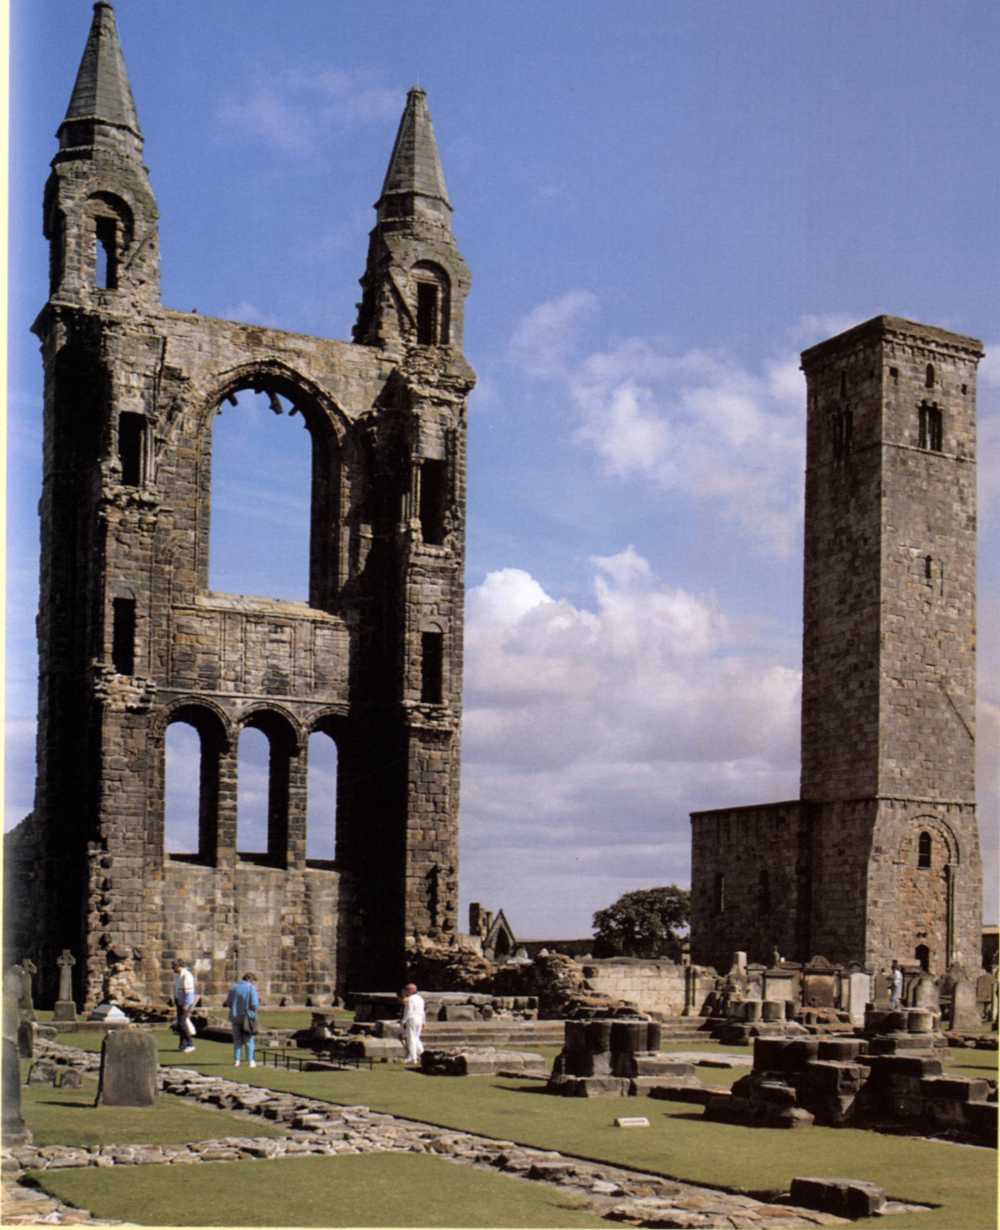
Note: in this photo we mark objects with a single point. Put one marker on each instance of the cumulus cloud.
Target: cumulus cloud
(591, 732)
(302, 104)
(698, 423)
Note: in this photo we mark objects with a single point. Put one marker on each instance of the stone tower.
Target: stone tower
(132, 639)
(889, 670)
(879, 858)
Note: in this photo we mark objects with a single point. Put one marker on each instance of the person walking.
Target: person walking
(414, 1015)
(184, 997)
(243, 1001)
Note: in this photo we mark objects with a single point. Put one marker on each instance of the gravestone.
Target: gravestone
(819, 984)
(881, 990)
(26, 1003)
(14, 1129)
(925, 993)
(129, 1069)
(859, 990)
(26, 1039)
(964, 1013)
(65, 1009)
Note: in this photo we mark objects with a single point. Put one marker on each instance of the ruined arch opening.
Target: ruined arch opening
(193, 745)
(271, 495)
(267, 759)
(321, 815)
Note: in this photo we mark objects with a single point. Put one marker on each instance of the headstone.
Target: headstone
(26, 1003)
(984, 995)
(925, 993)
(739, 965)
(819, 984)
(15, 1130)
(65, 1009)
(859, 990)
(129, 1069)
(26, 1039)
(881, 990)
(964, 1014)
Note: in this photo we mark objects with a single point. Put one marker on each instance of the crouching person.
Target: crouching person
(243, 1001)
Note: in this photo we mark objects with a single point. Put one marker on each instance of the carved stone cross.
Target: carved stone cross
(66, 962)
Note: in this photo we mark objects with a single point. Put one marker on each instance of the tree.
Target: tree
(650, 922)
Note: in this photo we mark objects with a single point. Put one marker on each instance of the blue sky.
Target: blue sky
(661, 204)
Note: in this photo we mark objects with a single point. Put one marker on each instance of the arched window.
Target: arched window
(192, 745)
(321, 819)
(923, 955)
(929, 376)
(261, 475)
(433, 304)
(263, 797)
(924, 849)
(254, 753)
(111, 220)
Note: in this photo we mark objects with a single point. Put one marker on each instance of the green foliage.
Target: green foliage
(650, 922)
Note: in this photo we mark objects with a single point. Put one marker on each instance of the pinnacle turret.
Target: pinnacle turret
(102, 95)
(414, 166)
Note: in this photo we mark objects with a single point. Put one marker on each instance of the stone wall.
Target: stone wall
(749, 883)
(653, 986)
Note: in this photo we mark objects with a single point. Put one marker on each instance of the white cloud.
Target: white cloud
(544, 338)
(303, 104)
(590, 734)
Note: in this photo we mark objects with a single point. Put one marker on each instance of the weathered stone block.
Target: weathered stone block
(853, 1198)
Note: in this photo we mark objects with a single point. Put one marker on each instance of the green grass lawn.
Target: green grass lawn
(377, 1189)
(59, 1116)
(679, 1143)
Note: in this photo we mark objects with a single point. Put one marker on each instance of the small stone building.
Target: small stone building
(132, 639)
(879, 857)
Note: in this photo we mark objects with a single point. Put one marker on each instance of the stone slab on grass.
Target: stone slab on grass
(129, 1069)
(851, 1198)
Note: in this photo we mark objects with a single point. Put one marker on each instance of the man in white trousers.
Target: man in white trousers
(414, 1015)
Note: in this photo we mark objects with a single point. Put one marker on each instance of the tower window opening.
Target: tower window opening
(894, 373)
(843, 434)
(929, 377)
(924, 850)
(123, 635)
(764, 892)
(931, 429)
(928, 568)
(107, 254)
(433, 500)
(428, 313)
(923, 955)
(57, 253)
(431, 668)
(131, 436)
(720, 892)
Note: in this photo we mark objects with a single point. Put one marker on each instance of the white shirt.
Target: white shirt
(414, 1012)
(183, 986)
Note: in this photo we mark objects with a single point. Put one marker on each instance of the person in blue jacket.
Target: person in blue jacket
(243, 1002)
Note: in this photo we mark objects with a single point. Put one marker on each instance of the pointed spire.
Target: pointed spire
(102, 93)
(415, 167)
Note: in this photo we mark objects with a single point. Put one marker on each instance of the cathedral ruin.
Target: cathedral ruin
(132, 639)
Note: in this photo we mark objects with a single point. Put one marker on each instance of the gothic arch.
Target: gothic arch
(335, 469)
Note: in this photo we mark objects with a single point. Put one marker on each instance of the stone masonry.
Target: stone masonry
(879, 858)
(132, 640)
